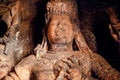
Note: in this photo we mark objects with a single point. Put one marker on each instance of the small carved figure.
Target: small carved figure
(114, 25)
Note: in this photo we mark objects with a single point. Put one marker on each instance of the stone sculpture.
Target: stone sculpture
(114, 25)
(17, 41)
(55, 58)
(63, 53)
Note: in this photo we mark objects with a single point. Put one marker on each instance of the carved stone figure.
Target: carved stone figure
(55, 58)
(18, 39)
(115, 24)
(19, 34)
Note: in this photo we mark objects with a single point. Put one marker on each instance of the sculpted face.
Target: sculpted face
(60, 30)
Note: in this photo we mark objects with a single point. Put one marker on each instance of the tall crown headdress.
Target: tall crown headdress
(61, 7)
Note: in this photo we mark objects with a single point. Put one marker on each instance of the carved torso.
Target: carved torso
(55, 65)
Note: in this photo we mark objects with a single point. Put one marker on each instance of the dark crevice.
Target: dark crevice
(106, 46)
(39, 21)
(3, 28)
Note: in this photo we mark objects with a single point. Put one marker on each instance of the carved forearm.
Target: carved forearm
(102, 69)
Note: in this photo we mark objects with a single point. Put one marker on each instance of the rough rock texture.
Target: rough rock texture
(54, 66)
(56, 58)
(18, 38)
(87, 14)
(5, 63)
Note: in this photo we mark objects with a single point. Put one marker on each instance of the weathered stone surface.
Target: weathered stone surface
(18, 38)
(19, 33)
(55, 58)
(5, 65)
(54, 65)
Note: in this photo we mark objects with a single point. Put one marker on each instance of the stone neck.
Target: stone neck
(61, 47)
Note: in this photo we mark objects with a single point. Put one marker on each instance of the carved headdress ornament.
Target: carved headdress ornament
(61, 7)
